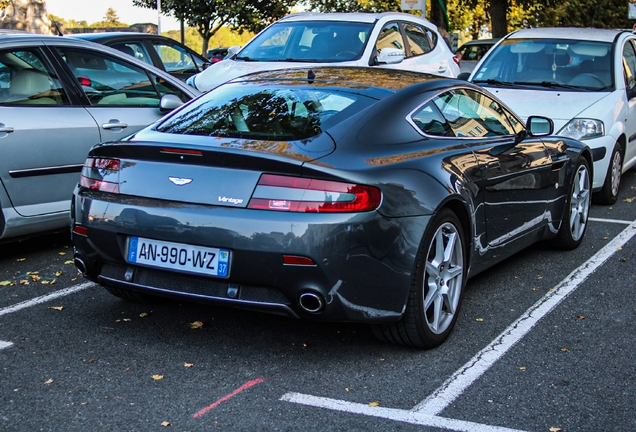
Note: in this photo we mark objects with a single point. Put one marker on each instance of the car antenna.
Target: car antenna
(59, 32)
(310, 76)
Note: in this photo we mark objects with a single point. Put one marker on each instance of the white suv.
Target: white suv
(584, 79)
(391, 39)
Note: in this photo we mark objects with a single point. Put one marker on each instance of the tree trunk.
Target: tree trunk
(499, 18)
(437, 14)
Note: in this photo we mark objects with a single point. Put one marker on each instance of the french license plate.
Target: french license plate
(177, 256)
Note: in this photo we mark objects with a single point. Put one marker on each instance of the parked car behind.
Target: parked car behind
(332, 194)
(160, 51)
(215, 55)
(389, 40)
(584, 79)
(58, 97)
(471, 52)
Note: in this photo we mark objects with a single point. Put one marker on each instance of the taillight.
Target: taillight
(297, 194)
(457, 59)
(101, 174)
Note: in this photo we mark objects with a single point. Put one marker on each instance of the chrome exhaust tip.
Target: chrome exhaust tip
(311, 302)
(80, 265)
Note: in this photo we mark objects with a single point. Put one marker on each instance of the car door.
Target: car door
(629, 74)
(121, 96)
(45, 133)
(176, 60)
(516, 174)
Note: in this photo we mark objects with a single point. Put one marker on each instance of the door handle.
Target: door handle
(114, 124)
(7, 129)
(441, 69)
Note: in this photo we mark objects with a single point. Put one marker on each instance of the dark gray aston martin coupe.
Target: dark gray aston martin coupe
(340, 194)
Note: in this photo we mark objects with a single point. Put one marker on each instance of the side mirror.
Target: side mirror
(169, 102)
(232, 51)
(539, 126)
(463, 76)
(390, 56)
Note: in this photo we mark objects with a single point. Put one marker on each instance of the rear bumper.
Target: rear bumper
(363, 262)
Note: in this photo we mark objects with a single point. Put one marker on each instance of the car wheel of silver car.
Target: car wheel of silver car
(578, 202)
(436, 291)
(609, 193)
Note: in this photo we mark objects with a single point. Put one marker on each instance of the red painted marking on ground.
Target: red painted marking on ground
(224, 398)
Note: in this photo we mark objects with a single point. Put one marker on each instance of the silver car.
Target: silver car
(58, 97)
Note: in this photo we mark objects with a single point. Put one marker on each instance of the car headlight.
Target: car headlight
(581, 129)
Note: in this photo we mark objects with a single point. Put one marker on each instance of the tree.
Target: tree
(111, 17)
(208, 16)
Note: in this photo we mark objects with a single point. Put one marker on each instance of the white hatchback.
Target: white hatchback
(584, 79)
(390, 39)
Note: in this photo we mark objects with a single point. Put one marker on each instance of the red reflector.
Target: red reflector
(85, 81)
(81, 230)
(297, 260)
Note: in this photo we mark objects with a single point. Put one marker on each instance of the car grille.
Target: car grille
(187, 284)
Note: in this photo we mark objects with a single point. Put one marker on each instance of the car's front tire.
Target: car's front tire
(609, 192)
(437, 288)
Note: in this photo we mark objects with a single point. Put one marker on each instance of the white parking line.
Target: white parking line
(4, 344)
(616, 221)
(45, 298)
(426, 412)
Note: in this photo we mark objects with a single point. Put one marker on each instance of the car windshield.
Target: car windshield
(556, 63)
(264, 111)
(309, 41)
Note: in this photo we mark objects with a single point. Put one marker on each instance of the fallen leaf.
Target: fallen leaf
(374, 404)
(196, 325)
(24, 282)
(623, 260)
(157, 377)
(564, 350)
(628, 200)
(45, 282)
(49, 381)
(581, 317)
(188, 365)
(619, 248)
(555, 429)
(58, 273)
(166, 424)
(21, 259)
(58, 308)
(347, 389)
(535, 289)
(539, 277)
(127, 319)
(34, 277)
(90, 360)
(605, 238)
(479, 319)
(6, 283)
(522, 368)
(144, 314)
(68, 262)
(61, 253)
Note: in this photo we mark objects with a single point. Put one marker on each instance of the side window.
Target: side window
(135, 49)
(417, 39)
(109, 81)
(175, 58)
(473, 114)
(629, 65)
(429, 120)
(25, 79)
(390, 37)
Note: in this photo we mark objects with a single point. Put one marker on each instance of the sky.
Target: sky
(94, 10)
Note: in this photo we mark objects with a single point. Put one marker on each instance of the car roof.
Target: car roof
(365, 17)
(353, 77)
(116, 35)
(590, 34)
(482, 42)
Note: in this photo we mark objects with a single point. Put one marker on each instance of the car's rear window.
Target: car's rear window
(266, 112)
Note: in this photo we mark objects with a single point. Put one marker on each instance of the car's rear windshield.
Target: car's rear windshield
(559, 63)
(265, 112)
(309, 41)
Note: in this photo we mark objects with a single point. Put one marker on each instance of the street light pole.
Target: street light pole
(158, 17)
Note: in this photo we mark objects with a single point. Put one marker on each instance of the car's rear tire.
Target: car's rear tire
(609, 192)
(437, 288)
(577, 208)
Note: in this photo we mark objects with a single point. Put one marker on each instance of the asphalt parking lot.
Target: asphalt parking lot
(544, 343)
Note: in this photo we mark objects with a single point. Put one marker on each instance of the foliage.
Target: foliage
(224, 38)
(209, 16)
